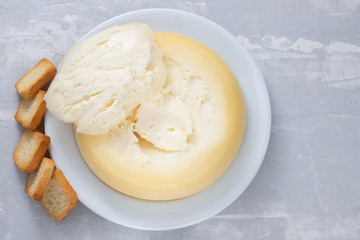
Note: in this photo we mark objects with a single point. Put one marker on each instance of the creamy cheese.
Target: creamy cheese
(102, 79)
(166, 124)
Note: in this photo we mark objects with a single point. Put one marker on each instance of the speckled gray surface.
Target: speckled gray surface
(309, 53)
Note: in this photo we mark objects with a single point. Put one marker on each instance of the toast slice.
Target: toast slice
(37, 181)
(60, 198)
(34, 79)
(30, 150)
(31, 110)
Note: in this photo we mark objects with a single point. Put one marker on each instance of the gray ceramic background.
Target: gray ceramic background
(309, 53)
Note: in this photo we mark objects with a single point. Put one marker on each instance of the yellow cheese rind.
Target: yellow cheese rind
(174, 175)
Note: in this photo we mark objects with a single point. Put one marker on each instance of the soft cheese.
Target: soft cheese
(102, 79)
(165, 123)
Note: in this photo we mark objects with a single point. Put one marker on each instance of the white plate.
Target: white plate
(135, 213)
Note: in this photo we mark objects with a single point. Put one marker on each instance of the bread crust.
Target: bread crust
(35, 157)
(47, 71)
(48, 167)
(35, 119)
(69, 191)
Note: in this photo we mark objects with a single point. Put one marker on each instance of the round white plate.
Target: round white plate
(135, 213)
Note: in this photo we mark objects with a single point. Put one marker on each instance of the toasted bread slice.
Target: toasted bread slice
(37, 181)
(31, 110)
(30, 150)
(60, 198)
(34, 79)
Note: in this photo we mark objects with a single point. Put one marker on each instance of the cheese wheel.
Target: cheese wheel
(181, 141)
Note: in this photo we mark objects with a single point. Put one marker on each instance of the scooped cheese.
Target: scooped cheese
(105, 77)
(165, 123)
